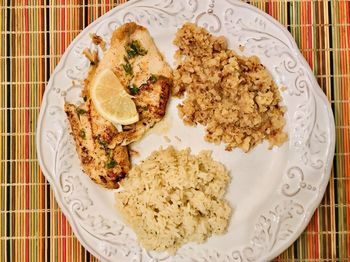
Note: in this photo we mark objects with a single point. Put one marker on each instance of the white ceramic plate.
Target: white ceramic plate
(273, 193)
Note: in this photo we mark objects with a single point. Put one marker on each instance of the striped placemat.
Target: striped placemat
(34, 35)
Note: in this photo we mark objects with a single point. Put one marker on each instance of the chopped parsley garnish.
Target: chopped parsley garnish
(133, 89)
(102, 143)
(111, 163)
(153, 79)
(80, 111)
(128, 68)
(82, 134)
(134, 49)
(110, 153)
(131, 53)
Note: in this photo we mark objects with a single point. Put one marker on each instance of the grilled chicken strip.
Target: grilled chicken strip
(103, 165)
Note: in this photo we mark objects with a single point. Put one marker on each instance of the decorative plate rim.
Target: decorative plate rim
(328, 164)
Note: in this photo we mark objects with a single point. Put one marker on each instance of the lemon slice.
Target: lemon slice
(112, 101)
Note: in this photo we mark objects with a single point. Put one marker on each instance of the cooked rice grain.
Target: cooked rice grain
(174, 197)
(234, 97)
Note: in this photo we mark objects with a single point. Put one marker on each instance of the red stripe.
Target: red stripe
(348, 22)
(27, 132)
(347, 8)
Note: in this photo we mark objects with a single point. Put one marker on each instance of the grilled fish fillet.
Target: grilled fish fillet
(101, 147)
(103, 165)
(143, 66)
(151, 102)
(152, 98)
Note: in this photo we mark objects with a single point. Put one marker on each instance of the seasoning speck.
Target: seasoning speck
(111, 164)
(178, 138)
(80, 111)
(134, 49)
(153, 79)
(128, 68)
(82, 134)
(133, 89)
(167, 139)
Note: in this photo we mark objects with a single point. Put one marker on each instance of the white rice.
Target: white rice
(174, 197)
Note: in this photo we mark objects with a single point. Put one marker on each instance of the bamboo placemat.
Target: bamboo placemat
(34, 35)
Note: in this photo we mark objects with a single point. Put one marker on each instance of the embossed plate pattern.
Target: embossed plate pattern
(273, 193)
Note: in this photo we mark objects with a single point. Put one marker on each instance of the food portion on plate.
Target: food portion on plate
(143, 73)
(235, 97)
(105, 166)
(125, 94)
(173, 198)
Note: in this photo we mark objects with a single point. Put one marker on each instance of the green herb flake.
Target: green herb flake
(134, 49)
(80, 111)
(128, 68)
(102, 143)
(131, 53)
(111, 164)
(133, 89)
(82, 134)
(110, 154)
(153, 79)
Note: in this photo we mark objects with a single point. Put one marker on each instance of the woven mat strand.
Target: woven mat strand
(34, 35)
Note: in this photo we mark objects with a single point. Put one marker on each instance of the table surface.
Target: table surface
(33, 37)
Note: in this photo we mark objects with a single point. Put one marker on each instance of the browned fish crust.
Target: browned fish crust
(152, 98)
(151, 103)
(103, 165)
(125, 31)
